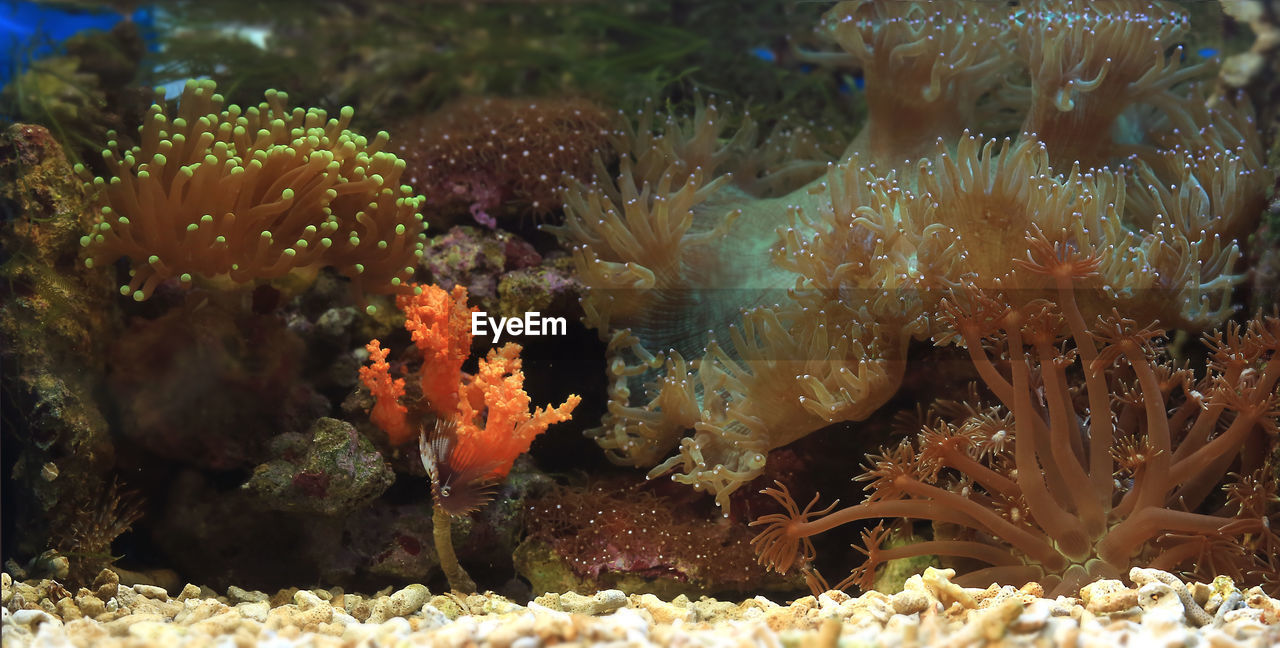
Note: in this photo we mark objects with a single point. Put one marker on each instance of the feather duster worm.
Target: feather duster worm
(750, 335)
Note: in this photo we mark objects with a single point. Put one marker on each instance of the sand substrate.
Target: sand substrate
(1153, 609)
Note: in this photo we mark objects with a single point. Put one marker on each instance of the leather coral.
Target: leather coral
(739, 319)
(1143, 464)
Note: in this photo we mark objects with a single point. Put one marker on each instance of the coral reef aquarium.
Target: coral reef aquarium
(640, 322)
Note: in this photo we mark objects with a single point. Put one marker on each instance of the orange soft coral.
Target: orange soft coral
(388, 414)
(482, 422)
(439, 324)
(441, 328)
(491, 409)
(507, 427)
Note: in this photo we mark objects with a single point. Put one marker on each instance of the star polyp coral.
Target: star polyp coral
(481, 153)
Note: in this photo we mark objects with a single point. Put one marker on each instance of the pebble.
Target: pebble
(930, 611)
(1107, 596)
(152, 592)
(31, 617)
(189, 591)
(602, 602)
(909, 602)
(256, 610)
(106, 585)
(89, 604)
(238, 595)
(402, 603)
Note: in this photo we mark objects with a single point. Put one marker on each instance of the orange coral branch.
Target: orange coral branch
(508, 428)
(440, 325)
(494, 424)
(388, 414)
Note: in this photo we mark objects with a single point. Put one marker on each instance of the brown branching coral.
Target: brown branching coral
(1085, 482)
(752, 317)
(223, 193)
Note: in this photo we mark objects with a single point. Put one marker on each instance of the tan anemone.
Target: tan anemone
(1089, 61)
(926, 66)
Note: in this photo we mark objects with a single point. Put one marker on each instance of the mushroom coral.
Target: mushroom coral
(751, 307)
